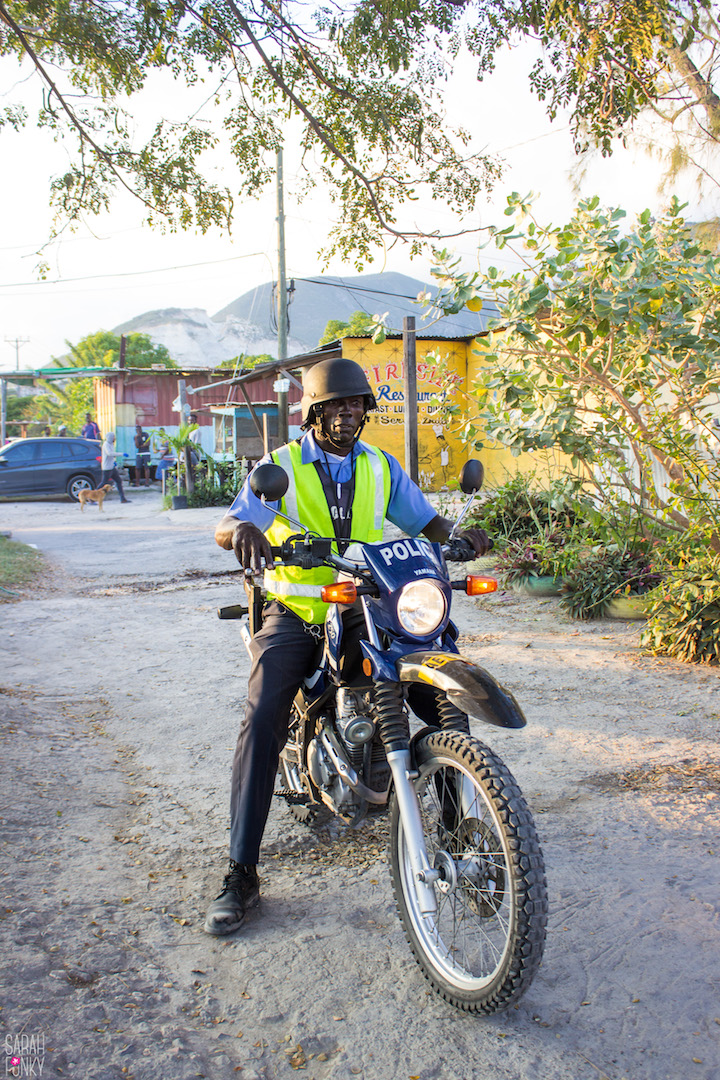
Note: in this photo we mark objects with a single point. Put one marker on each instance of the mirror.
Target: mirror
(269, 481)
(471, 476)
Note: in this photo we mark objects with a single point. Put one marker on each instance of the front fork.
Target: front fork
(423, 873)
(392, 721)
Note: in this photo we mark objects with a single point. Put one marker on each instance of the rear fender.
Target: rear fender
(472, 689)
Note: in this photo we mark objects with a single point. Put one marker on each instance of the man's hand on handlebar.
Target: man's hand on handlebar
(440, 528)
(478, 540)
(251, 547)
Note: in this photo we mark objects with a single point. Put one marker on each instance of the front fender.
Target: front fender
(471, 688)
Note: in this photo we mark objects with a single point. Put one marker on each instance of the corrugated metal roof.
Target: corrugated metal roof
(89, 372)
(452, 330)
(302, 360)
(53, 373)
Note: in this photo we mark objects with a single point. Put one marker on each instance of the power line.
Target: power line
(361, 289)
(17, 343)
(213, 262)
(130, 273)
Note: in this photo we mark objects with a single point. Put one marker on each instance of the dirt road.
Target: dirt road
(120, 695)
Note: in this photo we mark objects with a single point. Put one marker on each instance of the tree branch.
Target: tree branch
(83, 134)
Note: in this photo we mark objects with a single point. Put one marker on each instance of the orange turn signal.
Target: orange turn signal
(476, 585)
(342, 592)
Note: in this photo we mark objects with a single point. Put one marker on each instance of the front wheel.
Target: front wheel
(482, 947)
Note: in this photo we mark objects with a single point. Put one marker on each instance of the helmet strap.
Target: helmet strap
(318, 423)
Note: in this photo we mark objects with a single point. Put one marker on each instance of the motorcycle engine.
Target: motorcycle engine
(357, 730)
(354, 725)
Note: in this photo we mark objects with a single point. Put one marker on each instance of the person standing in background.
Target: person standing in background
(109, 468)
(195, 438)
(142, 456)
(90, 429)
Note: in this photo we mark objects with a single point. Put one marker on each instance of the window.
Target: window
(78, 449)
(21, 453)
(245, 425)
(223, 435)
(50, 451)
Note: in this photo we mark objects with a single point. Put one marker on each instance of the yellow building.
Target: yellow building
(443, 366)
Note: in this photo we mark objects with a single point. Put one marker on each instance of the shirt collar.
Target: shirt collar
(311, 451)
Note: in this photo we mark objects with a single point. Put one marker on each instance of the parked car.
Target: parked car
(49, 467)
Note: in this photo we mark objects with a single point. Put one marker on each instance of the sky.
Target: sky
(115, 268)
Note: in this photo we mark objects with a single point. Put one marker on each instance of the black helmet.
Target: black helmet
(331, 379)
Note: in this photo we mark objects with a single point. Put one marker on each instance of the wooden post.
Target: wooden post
(282, 303)
(281, 387)
(266, 436)
(411, 403)
(253, 414)
(3, 411)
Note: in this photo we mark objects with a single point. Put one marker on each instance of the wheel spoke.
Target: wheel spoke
(484, 941)
(473, 921)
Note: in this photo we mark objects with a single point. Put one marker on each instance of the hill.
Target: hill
(247, 325)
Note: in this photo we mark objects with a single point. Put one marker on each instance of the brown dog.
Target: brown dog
(94, 496)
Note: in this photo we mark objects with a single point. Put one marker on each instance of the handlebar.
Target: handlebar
(309, 552)
(459, 550)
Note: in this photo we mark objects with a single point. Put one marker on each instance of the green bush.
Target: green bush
(518, 510)
(216, 483)
(548, 554)
(684, 619)
(606, 573)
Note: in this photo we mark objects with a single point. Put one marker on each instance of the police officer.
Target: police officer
(340, 486)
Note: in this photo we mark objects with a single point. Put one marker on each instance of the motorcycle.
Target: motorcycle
(465, 862)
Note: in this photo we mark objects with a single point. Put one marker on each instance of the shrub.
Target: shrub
(548, 554)
(518, 510)
(684, 620)
(216, 483)
(607, 572)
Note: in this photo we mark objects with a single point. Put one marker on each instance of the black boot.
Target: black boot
(240, 892)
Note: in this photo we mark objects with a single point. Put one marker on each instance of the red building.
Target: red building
(235, 413)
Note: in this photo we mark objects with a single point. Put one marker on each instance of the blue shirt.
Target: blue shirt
(408, 508)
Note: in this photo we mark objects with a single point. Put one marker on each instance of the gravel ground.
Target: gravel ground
(120, 696)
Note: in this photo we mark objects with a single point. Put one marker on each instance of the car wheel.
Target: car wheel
(76, 484)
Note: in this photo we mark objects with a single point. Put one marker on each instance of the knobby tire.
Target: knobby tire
(484, 945)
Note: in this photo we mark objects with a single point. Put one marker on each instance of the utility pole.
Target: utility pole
(17, 342)
(411, 402)
(184, 410)
(281, 385)
(3, 410)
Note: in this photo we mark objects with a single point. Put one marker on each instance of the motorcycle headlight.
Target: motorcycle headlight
(421, 608)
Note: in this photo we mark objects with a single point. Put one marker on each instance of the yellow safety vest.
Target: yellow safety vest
(304, 501)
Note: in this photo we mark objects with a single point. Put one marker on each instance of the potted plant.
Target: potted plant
(611, 581)
(540, 564)
(179, 442)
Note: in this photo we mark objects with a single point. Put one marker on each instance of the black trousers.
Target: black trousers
(283, 653)
(113, 474)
